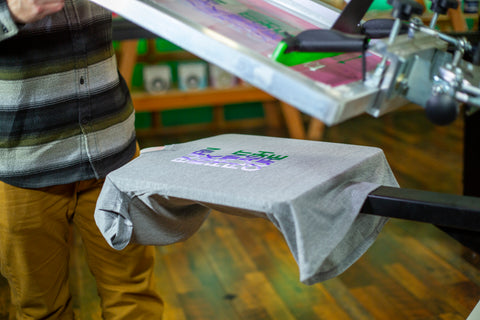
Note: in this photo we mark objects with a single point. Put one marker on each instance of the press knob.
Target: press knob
(442, 109)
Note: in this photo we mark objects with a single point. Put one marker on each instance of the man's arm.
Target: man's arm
(26, 11)
(14, 12)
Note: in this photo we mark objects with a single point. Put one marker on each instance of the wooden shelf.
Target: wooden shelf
(215, 97)
(176, 99)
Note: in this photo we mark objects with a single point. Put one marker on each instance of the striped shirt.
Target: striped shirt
(65, 113)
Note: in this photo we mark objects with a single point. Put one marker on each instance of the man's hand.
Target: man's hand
(25, 11)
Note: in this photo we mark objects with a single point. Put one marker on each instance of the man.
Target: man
(66, 120)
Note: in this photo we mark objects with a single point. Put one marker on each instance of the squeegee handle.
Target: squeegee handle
(380, 28)
(326, 41)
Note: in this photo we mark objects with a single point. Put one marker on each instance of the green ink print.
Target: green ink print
(268, 22)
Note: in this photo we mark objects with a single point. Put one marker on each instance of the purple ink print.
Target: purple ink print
(239, 23)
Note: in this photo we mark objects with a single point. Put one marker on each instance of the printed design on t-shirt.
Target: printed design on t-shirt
(240, 160)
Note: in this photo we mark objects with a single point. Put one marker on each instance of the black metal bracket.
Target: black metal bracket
(448, 210)
(457, 215)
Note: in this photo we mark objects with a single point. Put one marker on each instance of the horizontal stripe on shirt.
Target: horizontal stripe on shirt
(101, 76)
(62, 153)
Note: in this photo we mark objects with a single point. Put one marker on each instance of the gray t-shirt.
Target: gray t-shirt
(311, 191)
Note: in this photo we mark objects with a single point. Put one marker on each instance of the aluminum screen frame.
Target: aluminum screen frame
(330, 104)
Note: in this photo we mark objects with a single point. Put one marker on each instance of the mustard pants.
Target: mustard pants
(35, 226)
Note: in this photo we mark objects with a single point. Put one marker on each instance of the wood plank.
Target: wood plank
(330, 308)
(315, 129)
(272, 256)
(177, 99)
(372, 297)
(294, 122)
(166, 286)
(173, 278)
(443, 280)
(340, 291)
(413, 284)
(457, 19)
(268, 297)
(442, 245)
(199, 291)
(200, 129)
(232, 264)
(398, 298)
(128, 58)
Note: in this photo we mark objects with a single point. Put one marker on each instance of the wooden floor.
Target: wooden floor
(237, 268)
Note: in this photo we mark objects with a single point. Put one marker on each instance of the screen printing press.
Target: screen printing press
(332, 66)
